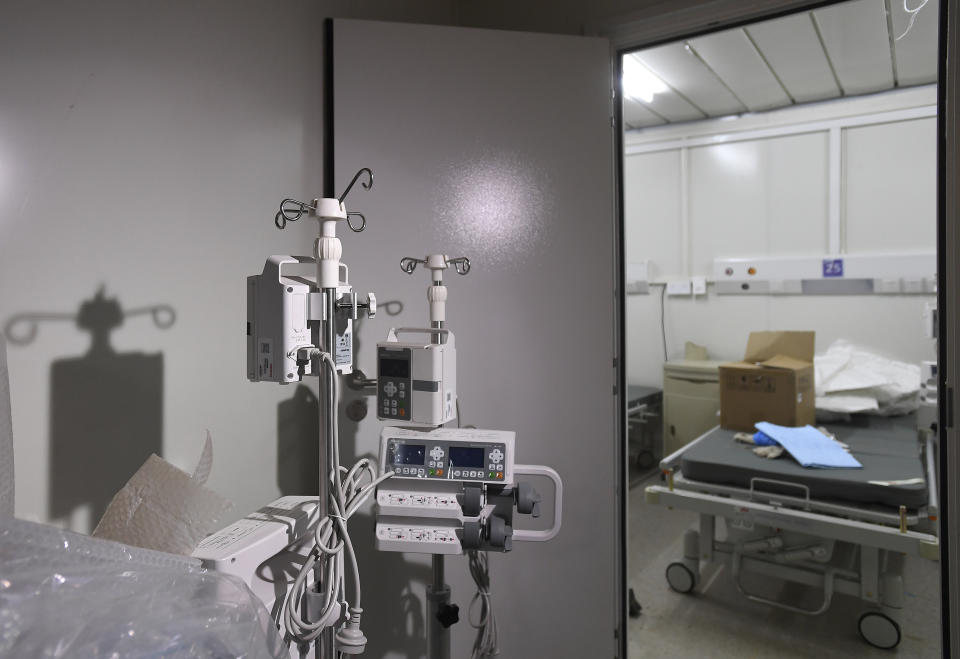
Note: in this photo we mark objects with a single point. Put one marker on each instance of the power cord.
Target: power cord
(487, 641)
(332, 544)
(913, 16)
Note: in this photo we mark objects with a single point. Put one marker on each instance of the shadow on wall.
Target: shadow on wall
(298, 445)
(106, 409)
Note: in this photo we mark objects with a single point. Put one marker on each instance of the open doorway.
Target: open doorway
(782, 176)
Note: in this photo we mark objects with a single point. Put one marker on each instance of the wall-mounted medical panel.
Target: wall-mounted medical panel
(845, 274)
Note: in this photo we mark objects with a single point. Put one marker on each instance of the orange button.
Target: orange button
(439, 472)
(403, 412)
(499, 474)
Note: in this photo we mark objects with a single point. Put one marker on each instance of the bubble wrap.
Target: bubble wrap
(6, 438)
(164, 508)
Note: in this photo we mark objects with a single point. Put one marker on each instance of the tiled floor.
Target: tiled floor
(716, 621)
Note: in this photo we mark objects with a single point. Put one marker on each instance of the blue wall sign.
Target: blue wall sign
(833, 267)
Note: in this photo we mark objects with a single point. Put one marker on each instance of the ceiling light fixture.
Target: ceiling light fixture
(639, 83)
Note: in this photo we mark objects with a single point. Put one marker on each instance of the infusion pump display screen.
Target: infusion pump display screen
(465, 456)
(447, 460)
(409, 454)
(394, 368)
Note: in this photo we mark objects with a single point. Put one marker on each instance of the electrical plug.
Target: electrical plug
(350, 640)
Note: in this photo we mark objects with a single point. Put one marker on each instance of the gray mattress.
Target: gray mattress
(886, 446)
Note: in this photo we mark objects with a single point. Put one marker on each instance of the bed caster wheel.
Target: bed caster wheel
(634, 605)
(879, 630)
(645, 460)
(680, 578)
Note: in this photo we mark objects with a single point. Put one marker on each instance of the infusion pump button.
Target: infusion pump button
(390, 389)
(436, 453)
(496, 455)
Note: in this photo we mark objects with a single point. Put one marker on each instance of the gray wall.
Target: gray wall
(482, 150)
(144, 147)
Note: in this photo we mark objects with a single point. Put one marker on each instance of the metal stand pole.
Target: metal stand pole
(438, 597)
(326, 646)
(438, 593)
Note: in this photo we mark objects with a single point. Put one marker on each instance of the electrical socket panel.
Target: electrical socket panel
(678, 287)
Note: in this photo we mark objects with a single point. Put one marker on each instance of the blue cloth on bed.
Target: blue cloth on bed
(809, 446)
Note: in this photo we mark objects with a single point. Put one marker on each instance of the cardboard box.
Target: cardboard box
(774, 382)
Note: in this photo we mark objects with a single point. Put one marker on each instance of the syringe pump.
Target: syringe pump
(456, 489)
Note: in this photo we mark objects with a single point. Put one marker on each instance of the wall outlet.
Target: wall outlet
(699, 285)
(637, 277)
(678, 287)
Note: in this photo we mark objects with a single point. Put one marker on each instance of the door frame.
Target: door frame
(653, 26)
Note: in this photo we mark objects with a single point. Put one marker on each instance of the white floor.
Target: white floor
(716, 621)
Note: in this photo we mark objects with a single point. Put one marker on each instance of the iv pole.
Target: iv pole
(327, 250)
(438, 593)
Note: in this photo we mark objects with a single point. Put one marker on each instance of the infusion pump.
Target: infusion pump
(283, 314)
(456, 489)
(449, 454)
(417, 380)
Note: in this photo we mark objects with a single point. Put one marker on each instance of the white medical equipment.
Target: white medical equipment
(453, 490)
(837, 530)
(282, 314)
(417, 381)
(301, 325)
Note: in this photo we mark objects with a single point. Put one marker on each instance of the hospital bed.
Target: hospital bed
(838, 530)
(643, 404)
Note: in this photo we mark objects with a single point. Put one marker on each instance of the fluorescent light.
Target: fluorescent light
(639, 83)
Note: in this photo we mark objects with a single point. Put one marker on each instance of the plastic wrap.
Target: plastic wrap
(67, 595)
(6, 438)
(852, 379)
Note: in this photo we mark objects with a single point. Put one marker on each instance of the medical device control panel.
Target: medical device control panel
(445, 454)
(394, 385)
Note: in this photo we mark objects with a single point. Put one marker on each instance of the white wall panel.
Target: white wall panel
(652, 207)
(758, 197)
(890, 172)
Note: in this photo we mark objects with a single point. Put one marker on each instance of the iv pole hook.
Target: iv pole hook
(366, 184)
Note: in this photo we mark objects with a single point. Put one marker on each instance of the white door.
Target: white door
(497, 146)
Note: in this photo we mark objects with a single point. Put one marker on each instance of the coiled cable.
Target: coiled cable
(486, 643)
(331, 538)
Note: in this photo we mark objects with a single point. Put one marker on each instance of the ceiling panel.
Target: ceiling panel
(682, 70)
(792, 48)
(916, 53)
(737, 62)
(673, 107)
(636, 115)
(858, 44)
